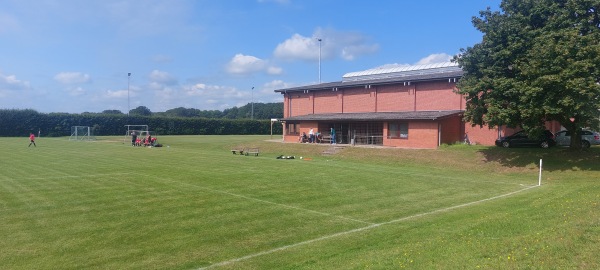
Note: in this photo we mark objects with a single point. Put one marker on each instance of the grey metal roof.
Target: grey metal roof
(401, 71)
(390, 76)
(375, 116)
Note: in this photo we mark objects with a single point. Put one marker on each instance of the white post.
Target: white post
(540, 177)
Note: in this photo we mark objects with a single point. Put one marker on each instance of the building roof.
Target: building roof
(383, 76)
(401, 71)
(375, 116)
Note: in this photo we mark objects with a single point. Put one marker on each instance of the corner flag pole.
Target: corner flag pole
(540, 177)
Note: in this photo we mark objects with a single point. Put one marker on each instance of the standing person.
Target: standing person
(31, 140)
(133, 138)
(311, 136)
(333, 135)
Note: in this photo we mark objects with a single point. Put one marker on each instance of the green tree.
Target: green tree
(182, 112)
(112, 112)
(141, 110)
(539, 60)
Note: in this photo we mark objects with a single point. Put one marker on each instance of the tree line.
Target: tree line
(248, 111)
(178, 121)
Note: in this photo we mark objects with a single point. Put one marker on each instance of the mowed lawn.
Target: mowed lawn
(192, 204)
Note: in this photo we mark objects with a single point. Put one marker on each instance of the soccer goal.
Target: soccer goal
(82, 133)
(138, 130)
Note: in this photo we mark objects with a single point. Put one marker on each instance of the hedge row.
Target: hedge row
(14, 123)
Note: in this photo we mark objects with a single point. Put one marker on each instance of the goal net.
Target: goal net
(139, 131)
(82, 133)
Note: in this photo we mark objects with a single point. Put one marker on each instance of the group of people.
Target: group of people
(316, 137)
(138, 141)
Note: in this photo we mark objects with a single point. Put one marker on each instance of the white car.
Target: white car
(588, 138)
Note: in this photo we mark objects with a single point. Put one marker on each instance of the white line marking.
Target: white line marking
(223, 263)
(285, 205)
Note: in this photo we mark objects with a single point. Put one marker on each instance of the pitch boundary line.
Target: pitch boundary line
(223, 263)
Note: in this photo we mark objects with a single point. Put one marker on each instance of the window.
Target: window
(398, 130)
(293, 129)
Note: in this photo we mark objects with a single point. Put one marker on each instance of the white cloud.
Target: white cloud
(274, 70)
(72, 77)
(351, 52)
(243, 64)
(10, 83)
(158, 77)
(276, 84)
(435, 58)
(77, 91)
(246, 64)
(116, 93)
(213, 91)
(298, 47)
(333, 43)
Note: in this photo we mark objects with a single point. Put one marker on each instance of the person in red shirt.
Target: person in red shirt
(32, 140)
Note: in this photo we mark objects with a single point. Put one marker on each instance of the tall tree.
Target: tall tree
(141, 110)
(539, 60)
(112, 112)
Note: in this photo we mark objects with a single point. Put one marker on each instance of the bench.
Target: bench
(235, 151)
(252, 151)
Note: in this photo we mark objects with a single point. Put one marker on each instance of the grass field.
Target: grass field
(195, 205)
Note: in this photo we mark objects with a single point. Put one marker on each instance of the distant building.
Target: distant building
(412, 106)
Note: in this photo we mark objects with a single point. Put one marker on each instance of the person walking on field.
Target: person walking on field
(133, 138)
(31, 140)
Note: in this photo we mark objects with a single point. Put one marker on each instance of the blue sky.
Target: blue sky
(74, 56)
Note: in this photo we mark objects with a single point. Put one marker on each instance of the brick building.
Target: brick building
(413, 107)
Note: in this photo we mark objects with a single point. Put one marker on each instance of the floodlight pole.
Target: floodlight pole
(319, 59)
(252, 113)
(128, 79)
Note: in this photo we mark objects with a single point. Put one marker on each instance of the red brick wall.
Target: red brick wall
(452, 129)
(484, 135)
(328, 102)
(487, 136)
(303, 127)
(359, 100)
(285, 106)
(394, 98)
(423, 134)
(426, 96)
(433, 96)
(301, 104)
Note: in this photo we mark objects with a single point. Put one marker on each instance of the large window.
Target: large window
(293, 129)
(398, 131)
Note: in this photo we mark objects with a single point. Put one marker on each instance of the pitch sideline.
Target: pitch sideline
(223, 263)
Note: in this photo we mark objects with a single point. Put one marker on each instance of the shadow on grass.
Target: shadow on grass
(554, 159)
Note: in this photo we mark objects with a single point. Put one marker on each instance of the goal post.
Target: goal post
(82, 133)
(140, 130)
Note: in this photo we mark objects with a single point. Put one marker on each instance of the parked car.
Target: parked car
(588, 138)
(520, 139)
